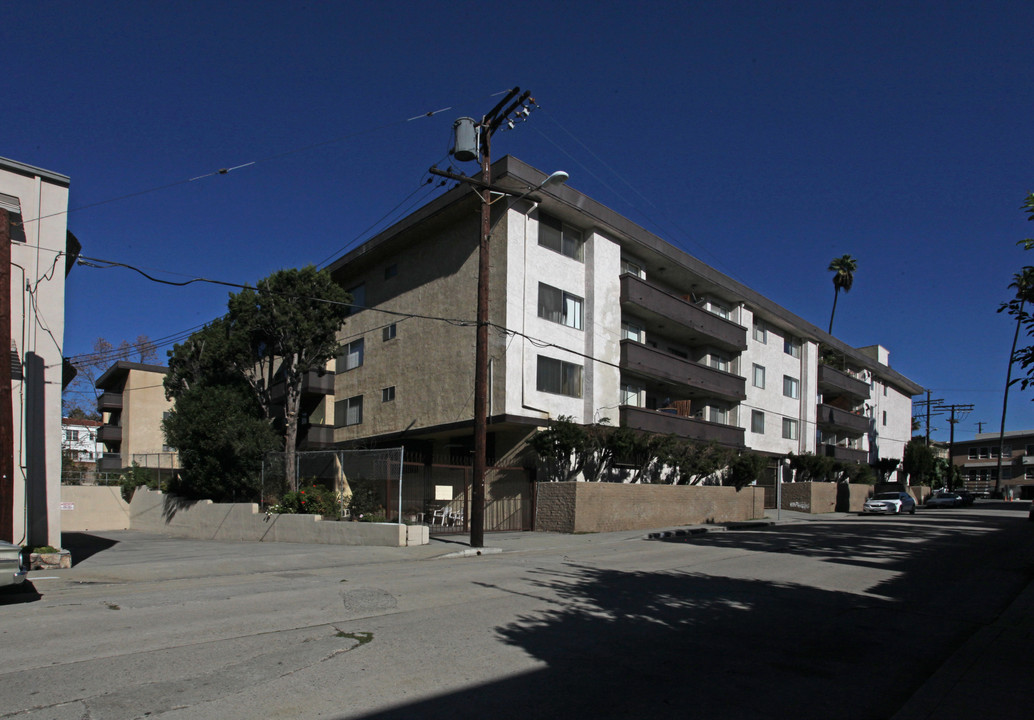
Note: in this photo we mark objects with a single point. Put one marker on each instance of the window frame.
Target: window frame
(568, 373)
(347, 352)
(757, 422)
(791, 387)
(755, 374)
(570, 240)
(789, 429)
(546, 312)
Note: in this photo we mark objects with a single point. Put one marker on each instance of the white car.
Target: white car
(11, 572)
(890, 503)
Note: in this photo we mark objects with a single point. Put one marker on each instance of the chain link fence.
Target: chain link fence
(342, 471)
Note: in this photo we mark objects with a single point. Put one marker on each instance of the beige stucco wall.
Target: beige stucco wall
(38, 262)
(85, 508)
(155, 512)
(436, 278)
(607, 507)
(143, 409)
(810, 497)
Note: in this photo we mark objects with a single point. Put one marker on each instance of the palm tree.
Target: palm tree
(1023, 283)
(843, 268)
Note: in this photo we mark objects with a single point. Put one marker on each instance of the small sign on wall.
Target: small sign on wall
(68, 506)
(443, 492)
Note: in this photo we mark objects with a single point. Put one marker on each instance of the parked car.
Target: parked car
(890, 503)
(945, 499)
(11, 571)
(968, 498)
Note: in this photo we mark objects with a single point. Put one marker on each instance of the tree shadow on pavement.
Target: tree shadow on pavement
(621, 644)
(84, 545)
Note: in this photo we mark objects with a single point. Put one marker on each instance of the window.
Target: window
(972, 453)
(985, 453)
(388, 394)
(559, 377)
(678, 353)
(718, 362)
(352, 357)
(792, 346)
(757, 422)
(790, 387)
(759, 377)
(560, 307)
(388, 333)
(358, 294)
(884, 417)
(717, 414)
(631, 331)
(349, 411)
(1006, 450)
(559, 237)
(632, 268)
(631, 394)
(72, 435)
(789, 429)
(760, 331)
(391, 271)
(718, 309)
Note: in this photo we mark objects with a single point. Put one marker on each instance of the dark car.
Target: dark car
(945, 499)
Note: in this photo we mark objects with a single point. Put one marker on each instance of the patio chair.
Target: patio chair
(456, 517)
(439, 516)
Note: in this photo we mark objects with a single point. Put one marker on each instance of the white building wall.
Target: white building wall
(37, 328)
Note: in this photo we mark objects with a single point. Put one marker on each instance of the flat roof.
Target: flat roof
(32, 171)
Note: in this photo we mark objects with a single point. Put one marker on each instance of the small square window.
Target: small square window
(760, 331)
(388, 394)
(791, 387)
(789, 429)
(388, 333)
(759, 376)
(358, 303)
(349, 411)
(561, 307)
(560, 237)
(352, 356)
(391, 271)
(757, 422)
(792, 346)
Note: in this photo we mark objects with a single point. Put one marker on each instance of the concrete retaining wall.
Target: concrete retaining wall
(93, 507)
(606, 507)
(810, 497)
(155, 512)
(851, 496)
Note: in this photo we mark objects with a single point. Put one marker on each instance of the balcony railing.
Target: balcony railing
(840, 383)
(109, 434)
(845, 454)
(109, 401)
(313, 383)
(110, 462)
(315, 437)
(701, 325)
(835, 418)
(699, 380)
(665, 423)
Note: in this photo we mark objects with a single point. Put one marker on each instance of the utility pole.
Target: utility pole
(929, 405)
(953, 408)
(6, 394)
(513, 101)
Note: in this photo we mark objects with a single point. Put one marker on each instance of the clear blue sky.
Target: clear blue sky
(766, 138)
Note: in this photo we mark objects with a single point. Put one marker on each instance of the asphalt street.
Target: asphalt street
(816, 617)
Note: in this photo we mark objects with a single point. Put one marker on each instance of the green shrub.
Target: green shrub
(312, 499)
(363, 504)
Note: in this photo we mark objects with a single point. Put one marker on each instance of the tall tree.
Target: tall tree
(81, 394)
(843, 269)
(271, 337)
(1023, 284)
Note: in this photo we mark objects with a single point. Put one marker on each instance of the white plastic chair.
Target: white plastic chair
(456, 517)
(441, 514)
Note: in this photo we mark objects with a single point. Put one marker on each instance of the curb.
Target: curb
(469, 552)
(705, 529)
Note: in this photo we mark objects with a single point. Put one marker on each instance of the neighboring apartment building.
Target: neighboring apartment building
(977, 460)
(132, 404)
(38, 251)
(79, 440)
(592, 317)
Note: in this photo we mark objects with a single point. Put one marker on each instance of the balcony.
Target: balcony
(109, 434)
(664, 309)
(702, 381)
(313, 383)
(110, 462)
(665, 423)
(836, 382)
(844, 454)
(836, 419)
(109, 401)
(315, 437)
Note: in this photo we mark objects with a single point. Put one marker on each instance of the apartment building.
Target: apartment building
(37, 253)
(594, 318)
(978, 461)
(132, 404)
